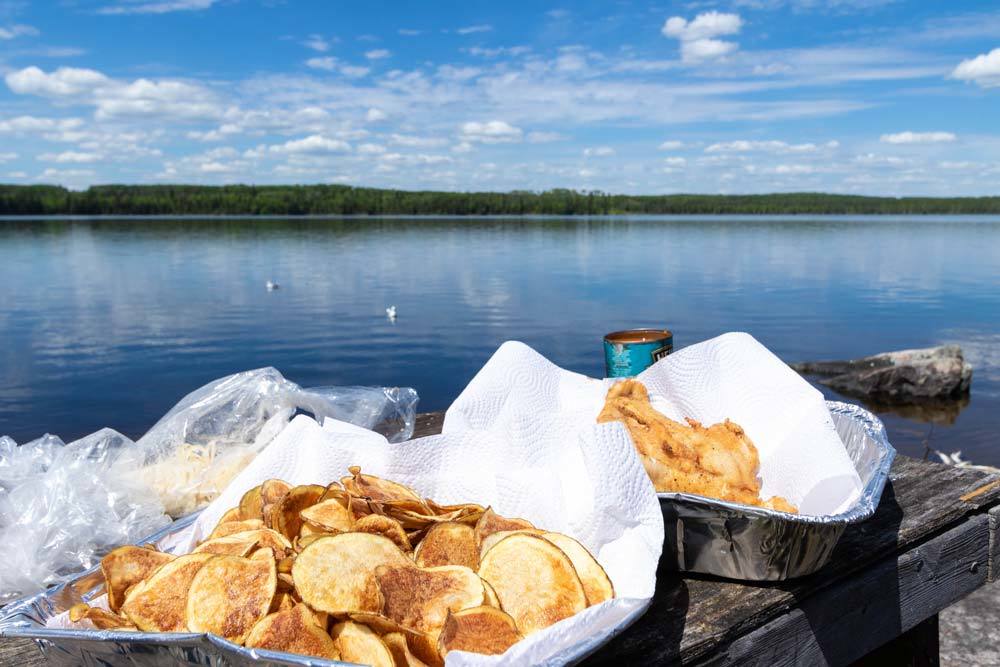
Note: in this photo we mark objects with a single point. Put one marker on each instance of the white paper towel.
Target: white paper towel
(589, 484)
(732, 376)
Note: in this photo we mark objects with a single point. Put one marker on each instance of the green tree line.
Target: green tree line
(347, 200)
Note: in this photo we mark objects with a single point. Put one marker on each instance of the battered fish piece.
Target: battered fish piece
(719, 461)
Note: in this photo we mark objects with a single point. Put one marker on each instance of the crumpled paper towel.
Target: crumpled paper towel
(589, 485)
(732, 376)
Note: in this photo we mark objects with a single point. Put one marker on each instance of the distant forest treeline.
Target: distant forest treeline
(346, 200)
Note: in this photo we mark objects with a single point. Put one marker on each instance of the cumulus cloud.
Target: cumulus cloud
(374, 115)
(313, 144)
(772, 146)
(115, 98)
(675, 161)
(29, 124)
(331, 64)
(132, 7)
(12, 31)
(598, 151)
(470, 29)
(7, 157)
(544, 137)
(698, 36)
(917, 138)
(671, 145)
(497, 51)
(983, 70)
(70, 157)
(378, 54)
(411, 141)
(490, 132)
(317, 43)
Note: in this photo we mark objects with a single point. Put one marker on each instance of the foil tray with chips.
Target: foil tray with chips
(754, 544)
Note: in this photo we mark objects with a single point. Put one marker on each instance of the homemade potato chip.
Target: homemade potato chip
(400, 650)
(294, 630)
(285, 517)
(479, 630)
(491, 522)
(328, 515)
(448, 543)
(251, 504)
(225, 528)
(101, 618)
(377, 524)
(535, 581)
(358, 643)
(125, 566)
(420, 644)
(596, 583)
(376, 488)
(232, 514)
(493, 538)
(420, 598)
(229, 595)
(335, 574)
(491, 598)
(159, 603)
(273, 490)
(231, 545)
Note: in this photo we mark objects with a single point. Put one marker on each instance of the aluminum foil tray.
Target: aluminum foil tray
(754, 544)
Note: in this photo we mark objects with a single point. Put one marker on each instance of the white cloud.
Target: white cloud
(964, 164)
(371, 149)
(462, 147)
(490, 132)
(70, 157)
(7, 157)
(313, 144)
(746, 146)
(317, 43)
(880, 160)
(378, 54)
(671, 145)
(409, 32)
(470, 29)
(984, 69)
(331, 64)
(130, 7)
(374, 115)
(354, 71)
(917, 138)
(697, 36)
(327, 63)
(29, 124)
(512, 51)
(114, 98)
(414, 158)
(544, 137)
(675, 161)
(12, 31)
(598, 151)
(411, 141)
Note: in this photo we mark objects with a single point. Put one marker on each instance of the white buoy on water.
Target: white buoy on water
(390, 312)
(271, 286)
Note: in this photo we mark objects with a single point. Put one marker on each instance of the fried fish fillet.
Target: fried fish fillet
(718, 461)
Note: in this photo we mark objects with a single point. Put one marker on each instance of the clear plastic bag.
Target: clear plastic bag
(62, 506)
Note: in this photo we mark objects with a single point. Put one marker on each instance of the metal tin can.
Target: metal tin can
(629, 352)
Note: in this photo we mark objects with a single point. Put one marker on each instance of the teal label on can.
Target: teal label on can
(628, 353)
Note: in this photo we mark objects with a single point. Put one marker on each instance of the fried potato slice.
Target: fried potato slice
(231, 527)
(419, 644)
(493, 538)
(596, 583)
(358, 643)
(535, 581)
(101, 618)
(400, 650)
(378, 524)
(335, 574)
(229, 595)
(232, 514)
(376, 488)
(448, 543)
(159, 603)
(328, 515)
(294, 630)
(282, 600)
(273, 490)
(231, 545)
(491, 522)
(251, 504)
(285, 516)
(491, 598)
(485, 630)
(420, 598)
(126, 566)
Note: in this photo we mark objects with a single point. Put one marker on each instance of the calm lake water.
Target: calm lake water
(110, 322)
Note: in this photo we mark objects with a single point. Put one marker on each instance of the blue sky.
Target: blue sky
(855, 96)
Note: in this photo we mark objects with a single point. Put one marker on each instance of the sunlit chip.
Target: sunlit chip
(159, 603)
(596, 583)
(282, 600)
(328, 515)
(400, 650)
(285, 516)
(335, 574)
(294, 630)
(491, 522)
(237, 544)
(126, 566)
(479, 630)
(535, 581)
(229, 595)
(419, 644)
(448, 543)
(232, 514)
(358, 643)
(420, 598)
(491, 598)
(376, 488)
(231, 527)
(493, 538)
(101, 618)
(251, 504)
(383, 525)
(273, 490)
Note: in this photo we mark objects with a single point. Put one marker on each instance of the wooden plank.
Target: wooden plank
(843, 623)
(920, 646)
(20, 652)
(994, 567)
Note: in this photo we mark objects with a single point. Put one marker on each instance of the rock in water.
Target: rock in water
(898, 377)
